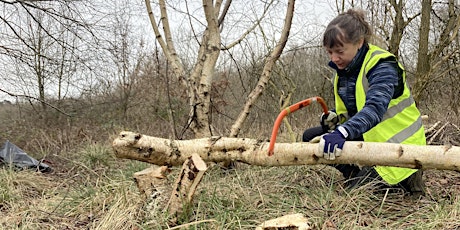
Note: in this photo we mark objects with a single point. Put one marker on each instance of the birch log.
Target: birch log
(159, 151)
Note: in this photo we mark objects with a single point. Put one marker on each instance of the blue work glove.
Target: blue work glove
(331, 144)
(329, 122)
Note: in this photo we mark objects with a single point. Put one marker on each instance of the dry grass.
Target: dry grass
(240, 198)
(91, 189)
(76, 196)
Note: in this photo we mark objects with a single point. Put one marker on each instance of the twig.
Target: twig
(192, 223)
(432, 127)
(455, 142)
(437, 133)
(30, 97)
(456, 127)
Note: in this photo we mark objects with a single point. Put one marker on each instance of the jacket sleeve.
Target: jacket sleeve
(383, 80)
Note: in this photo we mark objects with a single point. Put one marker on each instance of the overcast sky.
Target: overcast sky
(309, 21)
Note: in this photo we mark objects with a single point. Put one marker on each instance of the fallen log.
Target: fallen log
(160, 151)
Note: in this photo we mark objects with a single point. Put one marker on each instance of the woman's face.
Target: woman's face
(343, 55)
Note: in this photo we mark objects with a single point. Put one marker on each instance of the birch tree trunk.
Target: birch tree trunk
(159, 151)
(198, 82)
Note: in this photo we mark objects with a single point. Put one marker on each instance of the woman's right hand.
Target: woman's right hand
(329, 121)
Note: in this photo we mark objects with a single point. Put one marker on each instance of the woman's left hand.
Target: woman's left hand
(331, 144)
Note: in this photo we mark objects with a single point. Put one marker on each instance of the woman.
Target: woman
(372, 103)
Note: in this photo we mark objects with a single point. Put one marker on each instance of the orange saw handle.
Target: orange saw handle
(289, 110)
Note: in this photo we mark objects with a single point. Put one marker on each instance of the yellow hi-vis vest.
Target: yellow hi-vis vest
(401, 123)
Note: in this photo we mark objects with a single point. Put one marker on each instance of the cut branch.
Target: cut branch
(184, 189)
(159, 151)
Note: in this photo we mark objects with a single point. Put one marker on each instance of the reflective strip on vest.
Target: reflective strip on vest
(401, 123)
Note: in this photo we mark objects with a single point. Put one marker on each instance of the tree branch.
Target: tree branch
(34, 98)
(236, 42)
(266, 72)
(159, 151)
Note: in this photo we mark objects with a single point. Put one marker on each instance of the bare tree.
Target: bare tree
(41, 38)
(443, 49)
(399, 25)
(198, 81)
(126, 52)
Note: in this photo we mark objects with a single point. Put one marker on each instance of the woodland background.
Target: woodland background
(76, 73)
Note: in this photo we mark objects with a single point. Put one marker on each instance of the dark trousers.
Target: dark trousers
(356, 176)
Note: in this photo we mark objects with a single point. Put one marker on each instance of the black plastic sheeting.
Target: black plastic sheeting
(11, 154)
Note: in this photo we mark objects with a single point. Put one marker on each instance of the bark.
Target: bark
(203, 71)
(159, 151)
(423, 58)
